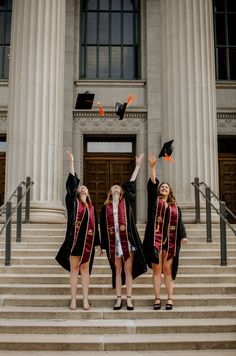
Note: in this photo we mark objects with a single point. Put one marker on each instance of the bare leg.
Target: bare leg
(118, 265)
(74, 270)
(156, 277)
(167, 270)
(129, 279)
(84, 271)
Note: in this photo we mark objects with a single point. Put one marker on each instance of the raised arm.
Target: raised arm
(139, 160)
(152, 167)
(71, 161)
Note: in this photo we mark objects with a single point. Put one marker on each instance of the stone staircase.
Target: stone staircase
(35, 294)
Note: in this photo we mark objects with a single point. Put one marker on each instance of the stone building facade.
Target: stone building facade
(176, 94)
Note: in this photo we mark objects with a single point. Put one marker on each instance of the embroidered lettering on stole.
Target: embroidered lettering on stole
(171, 227)
(90, 230)
(122, 221)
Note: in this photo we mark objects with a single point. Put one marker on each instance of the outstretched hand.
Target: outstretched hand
(139, 159)
(184, 241)
(152, 159)
(70, 156)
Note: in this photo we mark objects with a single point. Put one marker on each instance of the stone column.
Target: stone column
(35, 122)
(188, 97)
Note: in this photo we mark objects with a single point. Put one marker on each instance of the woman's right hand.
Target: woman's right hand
(152, 159)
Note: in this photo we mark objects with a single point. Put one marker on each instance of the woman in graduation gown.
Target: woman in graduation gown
(82, 235)
(120, 238)
(164, 234)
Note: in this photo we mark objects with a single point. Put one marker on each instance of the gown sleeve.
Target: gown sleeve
(129, 190)
(96, 236)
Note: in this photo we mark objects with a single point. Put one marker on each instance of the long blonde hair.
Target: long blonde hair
(109, 196)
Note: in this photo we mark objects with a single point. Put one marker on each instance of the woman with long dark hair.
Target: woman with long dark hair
(164, 234)
(77, 251)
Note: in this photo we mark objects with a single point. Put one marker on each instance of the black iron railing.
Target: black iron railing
(9, 211)
(222, 211)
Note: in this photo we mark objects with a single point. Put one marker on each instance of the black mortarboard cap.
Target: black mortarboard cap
(120, 110)
(84, 101)
(167, 149)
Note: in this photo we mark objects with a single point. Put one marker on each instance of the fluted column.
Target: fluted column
(35, 122)
(188, 96)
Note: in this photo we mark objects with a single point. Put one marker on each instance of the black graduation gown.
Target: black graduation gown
(139, 264)
(64, 252)
(150, 252)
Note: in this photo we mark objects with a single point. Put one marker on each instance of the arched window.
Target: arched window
(109, 39)
(225, 38)
(5, 36)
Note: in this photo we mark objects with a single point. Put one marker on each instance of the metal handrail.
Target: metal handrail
(221, 212)
(12, 196)
(10, 212)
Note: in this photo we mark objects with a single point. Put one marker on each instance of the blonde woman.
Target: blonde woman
(77, 252)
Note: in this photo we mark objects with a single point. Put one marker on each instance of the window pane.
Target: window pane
(125, 147)
(104, 28)
(116, 5)
(116, 62)
(91, 61)
(2, 5)
(219, 5)
(103, 62)
(116, 29)
(232, 62)
(1, 28)
(128, 4)
(82, 28)
(8, 28)
(9, 4)
(82, 63)
(104, 4)
(6, 61)
(220, 29)
(222, 68)
(1, 61)
(128, 62)
(92, 4)
(128, 29)
(232, 29)
(92, 28)
(231, 5)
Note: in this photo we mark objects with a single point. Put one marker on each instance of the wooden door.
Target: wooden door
(2, 177)
(100, 173)
(227, 180)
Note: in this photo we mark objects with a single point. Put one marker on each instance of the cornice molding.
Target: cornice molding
(226, 123)
(228, 84)
(109, 83)
(109, 115)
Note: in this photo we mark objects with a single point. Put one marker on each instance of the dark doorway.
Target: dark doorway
(108, 160)
(227, 172)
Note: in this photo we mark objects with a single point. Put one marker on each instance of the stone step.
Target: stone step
(106, 278)
(108, 300)
(52, 252)
(184, 260)
(64, 313)
(121, 327)
(102, 289)
(56, 269)
(55, 245)
(118, 342)
(221, 352)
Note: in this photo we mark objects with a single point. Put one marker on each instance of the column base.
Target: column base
(189, 214)
(47, 213)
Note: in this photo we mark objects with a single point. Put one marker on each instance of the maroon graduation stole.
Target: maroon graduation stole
(172, 226)
(122, 221)
(90, 230)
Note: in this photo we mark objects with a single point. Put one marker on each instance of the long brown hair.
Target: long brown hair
(109, 196)
(171, 198)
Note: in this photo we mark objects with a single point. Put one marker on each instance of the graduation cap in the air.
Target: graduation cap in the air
(84, 100)
(120, 108)
(167, 150)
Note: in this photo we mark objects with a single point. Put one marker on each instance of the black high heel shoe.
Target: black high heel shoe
(169, 306)
(118, 306)
(130, 307)
(157, 306)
